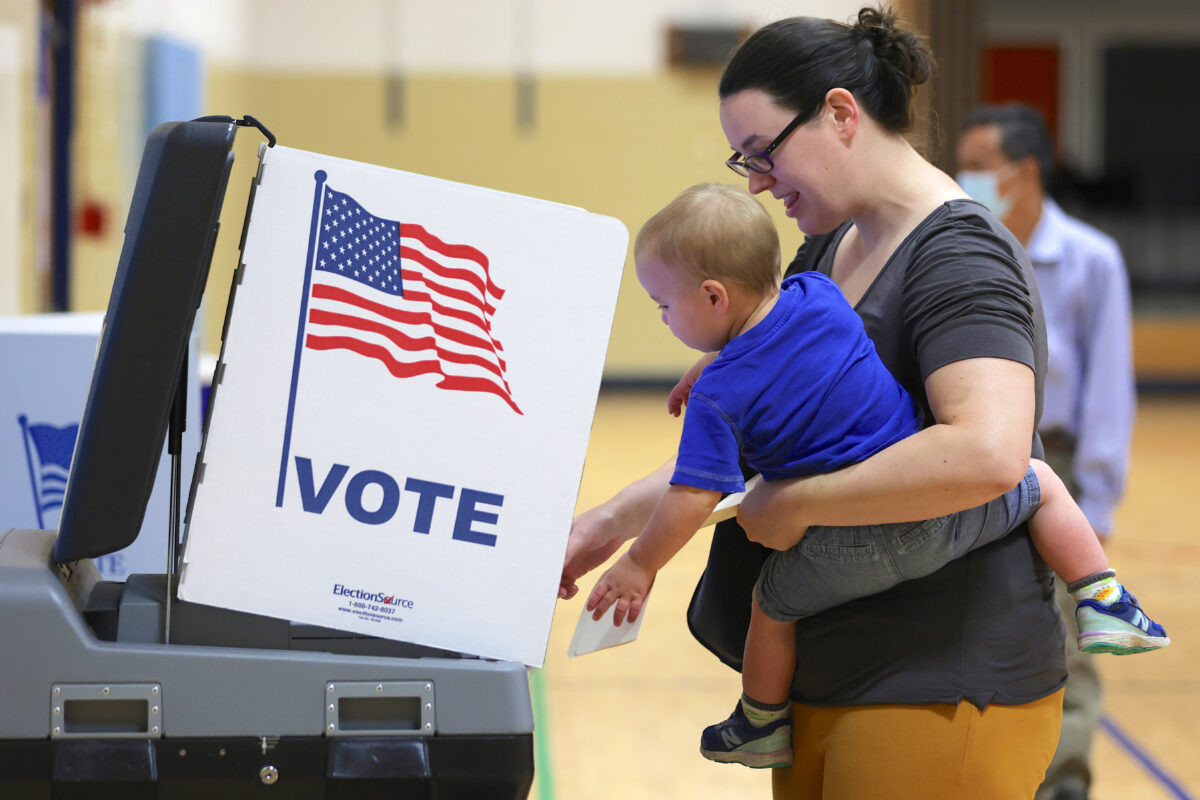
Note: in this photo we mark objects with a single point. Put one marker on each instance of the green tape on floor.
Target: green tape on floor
(543, 767)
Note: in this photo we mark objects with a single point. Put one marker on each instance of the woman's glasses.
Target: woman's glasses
(761, 162)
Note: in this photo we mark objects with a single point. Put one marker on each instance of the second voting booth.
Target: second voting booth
(378, 514)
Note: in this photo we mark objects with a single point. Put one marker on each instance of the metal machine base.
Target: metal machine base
(83, 717)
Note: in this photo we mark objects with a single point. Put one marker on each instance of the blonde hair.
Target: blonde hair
(717, 232)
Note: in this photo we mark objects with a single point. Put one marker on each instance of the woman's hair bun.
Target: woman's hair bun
(902, 50)
(799, 59)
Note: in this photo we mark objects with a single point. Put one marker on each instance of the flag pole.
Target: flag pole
(318, 195)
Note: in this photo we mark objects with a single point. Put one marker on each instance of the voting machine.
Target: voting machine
(118, 689)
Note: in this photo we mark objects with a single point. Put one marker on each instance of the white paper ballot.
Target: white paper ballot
(728, 507)
(592, 635)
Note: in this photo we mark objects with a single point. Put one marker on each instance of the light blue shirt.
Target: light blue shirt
(1090, 389)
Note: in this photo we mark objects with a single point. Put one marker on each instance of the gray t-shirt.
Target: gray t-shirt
(985, 627)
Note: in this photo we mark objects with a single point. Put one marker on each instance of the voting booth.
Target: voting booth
(48, 359)
(366, 557)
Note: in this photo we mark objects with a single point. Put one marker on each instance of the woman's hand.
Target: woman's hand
(770, 518)
(595, 536)
(599, 532)
(678, 397)
(626, 583)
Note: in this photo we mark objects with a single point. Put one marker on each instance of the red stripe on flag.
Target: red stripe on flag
(449, 311)
(401, 369)
(437, 269)
(400, 339)
(466, 384)
(408, 370)
(452, 250)
(324, 292)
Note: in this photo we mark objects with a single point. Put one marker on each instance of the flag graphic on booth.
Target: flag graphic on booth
(396, 293)
(48, 452)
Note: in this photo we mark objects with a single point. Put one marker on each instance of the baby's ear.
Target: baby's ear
(717, 295)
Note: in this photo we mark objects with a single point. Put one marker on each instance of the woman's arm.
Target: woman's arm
(977, 449)
(599, 532)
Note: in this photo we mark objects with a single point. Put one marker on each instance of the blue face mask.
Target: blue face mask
(985, 188)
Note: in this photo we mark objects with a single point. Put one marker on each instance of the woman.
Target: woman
(948, 686)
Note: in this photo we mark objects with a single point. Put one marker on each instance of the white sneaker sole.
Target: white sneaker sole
(1120, 643)
(779, 758)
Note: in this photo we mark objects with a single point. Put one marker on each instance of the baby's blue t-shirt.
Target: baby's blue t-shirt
(803, 392)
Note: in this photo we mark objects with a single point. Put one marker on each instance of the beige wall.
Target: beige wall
(22, 282)
(615, 132)
(616, 146)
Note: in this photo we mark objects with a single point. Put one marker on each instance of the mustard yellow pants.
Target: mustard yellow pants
(933, 752)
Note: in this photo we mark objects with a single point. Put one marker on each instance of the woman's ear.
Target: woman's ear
(716, 294)
(842, 109)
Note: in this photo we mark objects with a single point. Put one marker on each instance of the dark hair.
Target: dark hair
(798, 60)
(1023, 133)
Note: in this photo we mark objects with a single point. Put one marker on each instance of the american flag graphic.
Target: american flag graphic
(397, 293)
(48, 452)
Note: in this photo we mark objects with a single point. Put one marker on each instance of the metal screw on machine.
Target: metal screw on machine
(268, 775)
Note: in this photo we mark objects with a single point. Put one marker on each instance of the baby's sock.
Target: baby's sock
(761, 714)
(1101, 587)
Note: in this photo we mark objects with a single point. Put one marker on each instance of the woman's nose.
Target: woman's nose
(759, 182)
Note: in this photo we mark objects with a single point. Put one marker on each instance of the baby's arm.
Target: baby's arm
(679, 395)
(675, 520)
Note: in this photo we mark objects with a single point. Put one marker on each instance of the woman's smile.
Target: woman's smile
(789, 202)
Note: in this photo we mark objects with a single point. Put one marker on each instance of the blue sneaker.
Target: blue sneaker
(736, 741)
(1121, 629)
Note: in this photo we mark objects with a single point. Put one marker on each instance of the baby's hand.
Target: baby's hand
(625, 584)
(678, 397)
